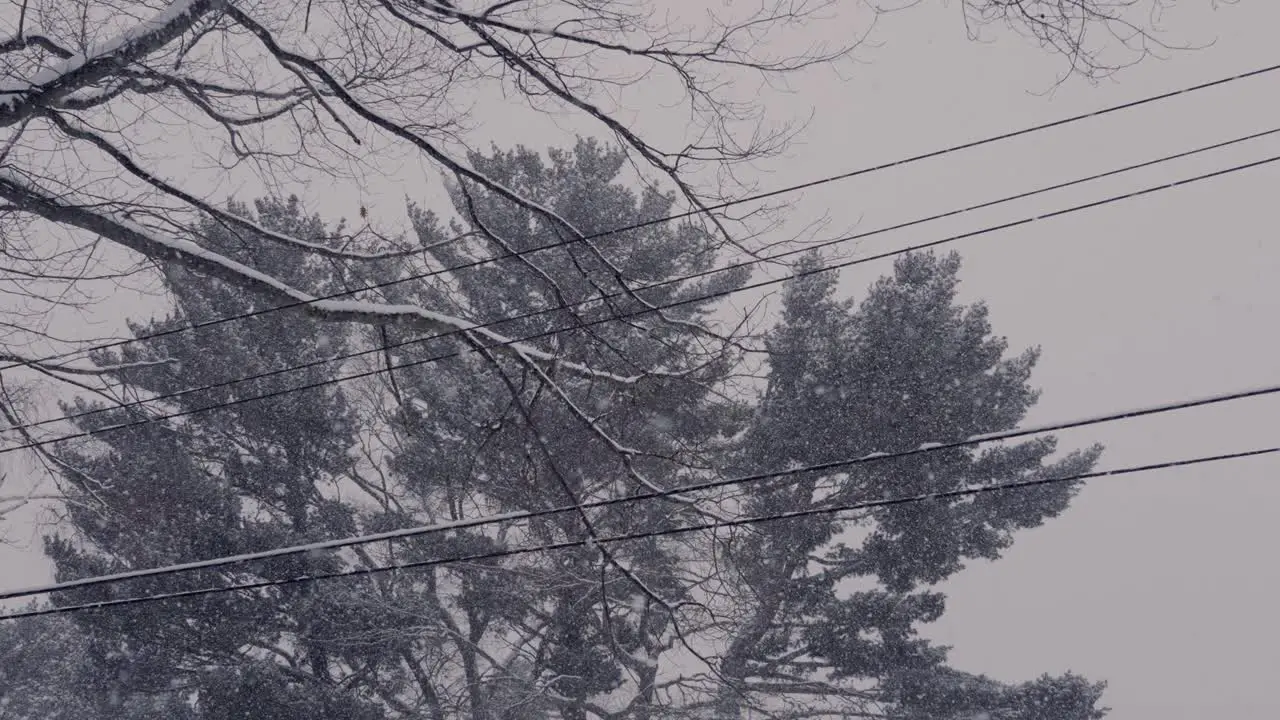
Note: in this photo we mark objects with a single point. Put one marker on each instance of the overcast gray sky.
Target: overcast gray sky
(1162, 584)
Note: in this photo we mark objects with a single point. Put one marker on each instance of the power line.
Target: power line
(1008, 135)
(685, 278)
(809, 512)
(403, 533)
(613, 318)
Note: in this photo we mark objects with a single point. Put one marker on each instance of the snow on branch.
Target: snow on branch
(19, 360)
(151, 244)
(19, 98)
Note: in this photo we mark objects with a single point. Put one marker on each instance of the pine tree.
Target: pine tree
(462, 444)
(831, 606)
(472, 442)
(243, 478)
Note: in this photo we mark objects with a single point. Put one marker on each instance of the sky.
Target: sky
(1161, 584)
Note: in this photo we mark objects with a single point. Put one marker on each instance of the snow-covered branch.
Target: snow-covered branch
(20, 360)
(21, 97)
(192, 256)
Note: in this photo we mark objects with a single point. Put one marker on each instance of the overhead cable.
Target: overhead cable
(1008, 135)
(151, 400)
(834, 509)
(842, 464)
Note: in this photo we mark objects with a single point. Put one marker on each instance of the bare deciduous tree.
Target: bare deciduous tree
(96, 94)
